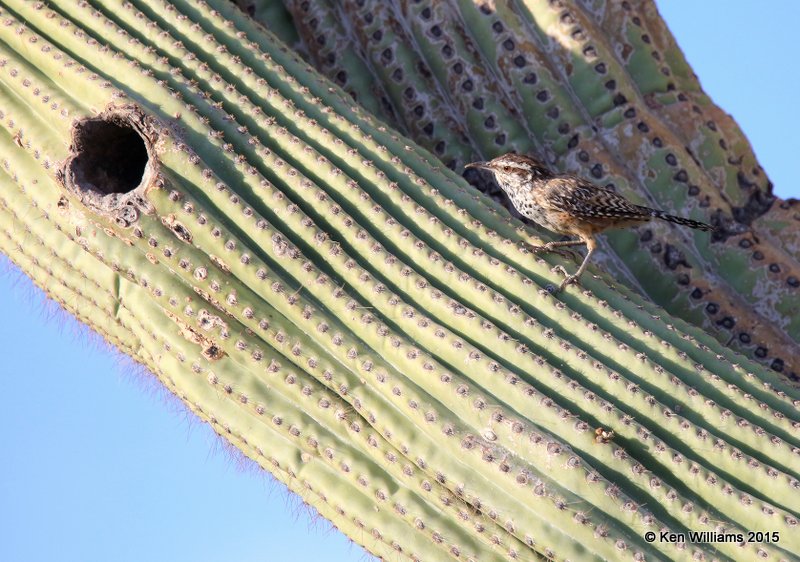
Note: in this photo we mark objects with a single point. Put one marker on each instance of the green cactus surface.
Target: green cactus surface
(353, 316)
(600, 89)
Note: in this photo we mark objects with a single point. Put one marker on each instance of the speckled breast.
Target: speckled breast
(528, 208)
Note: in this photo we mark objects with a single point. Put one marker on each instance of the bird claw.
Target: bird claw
(570, 279)
(547, 248)
(531, 247)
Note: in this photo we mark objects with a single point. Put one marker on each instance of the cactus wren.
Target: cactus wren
(568, 204)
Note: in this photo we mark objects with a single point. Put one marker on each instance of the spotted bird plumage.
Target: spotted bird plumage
(569, 205)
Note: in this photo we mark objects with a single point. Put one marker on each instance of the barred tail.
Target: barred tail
(680, 220)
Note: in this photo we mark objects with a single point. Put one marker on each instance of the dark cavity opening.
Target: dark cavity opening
(112, 157)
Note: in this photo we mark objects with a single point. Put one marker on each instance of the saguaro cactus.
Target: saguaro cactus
(598, 88)
(357, 319)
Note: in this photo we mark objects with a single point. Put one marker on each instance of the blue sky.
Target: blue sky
(99, 465)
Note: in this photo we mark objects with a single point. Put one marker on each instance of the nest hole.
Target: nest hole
(111, 156)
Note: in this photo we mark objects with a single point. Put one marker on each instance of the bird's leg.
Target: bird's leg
(591, 245)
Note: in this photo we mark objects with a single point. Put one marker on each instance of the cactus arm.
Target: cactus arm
(653, 60)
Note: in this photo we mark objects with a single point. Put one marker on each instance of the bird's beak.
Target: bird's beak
(478, 165)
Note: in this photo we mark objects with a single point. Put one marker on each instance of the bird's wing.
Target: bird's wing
(582, 198)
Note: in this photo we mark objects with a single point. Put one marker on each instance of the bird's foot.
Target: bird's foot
(548, 248)
(570, 279)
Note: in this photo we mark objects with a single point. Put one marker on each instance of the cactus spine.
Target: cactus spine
(353, 317)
